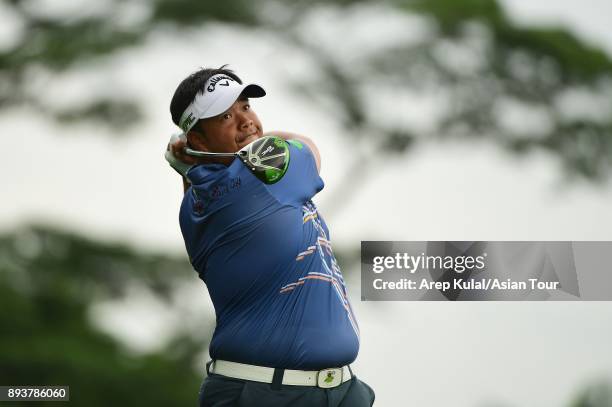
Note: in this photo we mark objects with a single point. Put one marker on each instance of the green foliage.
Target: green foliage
(58, 44)
(576, 60)
(531, 66)
(48, 281)
(114, 112)
(450, 15)
(598, 394)
(188, 12)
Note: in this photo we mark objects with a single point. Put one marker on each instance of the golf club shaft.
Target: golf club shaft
(197, 153)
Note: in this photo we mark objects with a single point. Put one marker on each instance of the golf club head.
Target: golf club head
(267, 158)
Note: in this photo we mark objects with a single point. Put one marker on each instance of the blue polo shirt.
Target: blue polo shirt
(265, 255)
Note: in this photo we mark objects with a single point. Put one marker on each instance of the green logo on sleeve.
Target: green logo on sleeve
(295, 143)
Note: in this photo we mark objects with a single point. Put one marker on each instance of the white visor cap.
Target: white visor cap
(218, 95)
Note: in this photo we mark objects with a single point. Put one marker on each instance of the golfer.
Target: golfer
(286, 332)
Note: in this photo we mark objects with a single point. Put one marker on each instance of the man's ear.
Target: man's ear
(196, 140)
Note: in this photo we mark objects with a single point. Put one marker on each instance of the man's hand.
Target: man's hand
(176, 156)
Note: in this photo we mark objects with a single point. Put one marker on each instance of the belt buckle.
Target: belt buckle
(328, 378)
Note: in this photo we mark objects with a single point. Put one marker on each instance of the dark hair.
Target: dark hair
(191, 86)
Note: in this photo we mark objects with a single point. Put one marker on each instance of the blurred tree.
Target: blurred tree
(480, 67)
(517, 86)
(598, 394)
(479, 75)
(48, 282)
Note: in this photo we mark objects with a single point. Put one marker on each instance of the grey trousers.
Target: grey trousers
(221, 391)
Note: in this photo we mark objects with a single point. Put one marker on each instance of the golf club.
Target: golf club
(267, 157)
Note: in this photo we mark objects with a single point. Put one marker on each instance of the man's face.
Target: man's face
(229, 131)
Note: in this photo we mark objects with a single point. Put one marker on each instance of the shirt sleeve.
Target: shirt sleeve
(301, 181)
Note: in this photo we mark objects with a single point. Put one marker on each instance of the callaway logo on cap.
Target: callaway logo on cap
(224, 79)
(218, 95)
